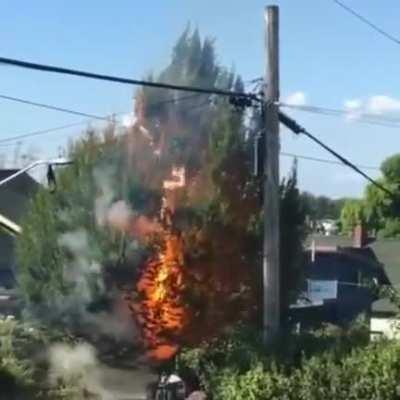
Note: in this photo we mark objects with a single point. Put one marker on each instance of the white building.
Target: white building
(329, 227)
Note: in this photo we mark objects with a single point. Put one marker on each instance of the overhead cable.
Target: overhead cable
(18, 138)
(110, 78)
(324, 160)
(355, 115)
(367, 22)
(51, 107)
(296, 128)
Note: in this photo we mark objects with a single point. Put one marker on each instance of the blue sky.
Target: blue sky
(326, 55)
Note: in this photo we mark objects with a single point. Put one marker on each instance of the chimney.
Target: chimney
(360, 236)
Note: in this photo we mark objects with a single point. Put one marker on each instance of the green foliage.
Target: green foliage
(338, 364)
(292, 236)
(64, 250)
(256, 383)
(380, 210)
(391, 228)
(39, 256)
(321, 207)
(23, 367)
(13, 361)
(391, 169)
(352, 215)
(239, 349)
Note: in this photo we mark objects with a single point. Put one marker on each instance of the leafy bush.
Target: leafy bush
(391, 229)
(24, 365)
(351, 215)
(14, 360)
(256, 383)
(65, 251)
(333, 364)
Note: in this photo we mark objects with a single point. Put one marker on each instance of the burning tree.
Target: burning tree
(167, 213)
(202, 277)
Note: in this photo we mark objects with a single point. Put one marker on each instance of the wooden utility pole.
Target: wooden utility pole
(271, 278)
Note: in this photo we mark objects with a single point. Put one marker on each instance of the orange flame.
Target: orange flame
(163, 314)
(218, 287)
(161, 310)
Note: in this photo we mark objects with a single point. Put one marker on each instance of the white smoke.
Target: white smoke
(116, 214)
(104, 181)
(119, 327)
(71, 363)
(119, 215)
(82, 266)
(86, 276)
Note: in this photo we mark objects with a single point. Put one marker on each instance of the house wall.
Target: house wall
(9, 304)
(352, 301)
(387, 327)
(7, 259)
(352, 298)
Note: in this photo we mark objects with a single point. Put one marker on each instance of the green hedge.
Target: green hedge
(24, 366)
(368, 371)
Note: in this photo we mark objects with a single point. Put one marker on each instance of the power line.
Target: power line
(54, 108)
(84, 114)
(41, 132)
(296, 128)
(324, 160)
(63, 127)
(367, 22)
(116, 79)
(365, 118)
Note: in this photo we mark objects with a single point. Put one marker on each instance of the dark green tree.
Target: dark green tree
(382, 210)
(65, 250)
(352, 215)
(292, 235)
(322, 207)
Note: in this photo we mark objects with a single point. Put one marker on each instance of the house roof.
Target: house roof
(15, 194)
(23, 184)
(390, 250)
(343, 264)
(386, 251)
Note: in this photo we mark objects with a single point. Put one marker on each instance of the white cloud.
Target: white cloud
(383, 105)
(296, 99)
(354, 108)
(377, 105)
(353, 104)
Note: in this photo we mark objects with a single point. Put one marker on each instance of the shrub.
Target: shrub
(256, 383)
(391, 228)
(13, 363)
(24, 366)
(336, 364)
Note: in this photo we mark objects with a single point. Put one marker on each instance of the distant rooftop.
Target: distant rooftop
(387, 252)
(15, 194)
